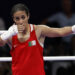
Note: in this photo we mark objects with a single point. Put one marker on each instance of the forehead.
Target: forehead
(19, 13)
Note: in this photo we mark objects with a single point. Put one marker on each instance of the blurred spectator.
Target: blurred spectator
(5, 68)
(64, 18)
(48, 50)
(4, 51)
(48, 67)
(2, 24)
(55, 47)
(61, 71)
(72, 46)
(60, 49)
(59, 67)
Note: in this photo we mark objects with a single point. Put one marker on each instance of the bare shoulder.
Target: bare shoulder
(38, 30)
(43, 28)
(40, 27)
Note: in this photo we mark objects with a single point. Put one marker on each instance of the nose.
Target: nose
(21, 21)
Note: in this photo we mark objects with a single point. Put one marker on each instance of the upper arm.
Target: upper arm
(55, 32)
(48, 31)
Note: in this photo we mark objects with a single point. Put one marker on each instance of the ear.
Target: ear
(14, 20)
(28, 16)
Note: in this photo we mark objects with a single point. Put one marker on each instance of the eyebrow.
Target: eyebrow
(19, 16)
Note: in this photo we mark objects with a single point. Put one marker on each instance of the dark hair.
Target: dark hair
(19, 7)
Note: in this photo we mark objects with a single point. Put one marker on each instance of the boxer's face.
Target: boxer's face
(21, 18)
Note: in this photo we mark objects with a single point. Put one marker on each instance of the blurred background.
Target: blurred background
(53, 13)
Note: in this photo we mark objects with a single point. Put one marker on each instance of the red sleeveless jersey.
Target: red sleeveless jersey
(27, 57)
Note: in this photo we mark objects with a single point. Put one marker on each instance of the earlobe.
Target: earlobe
(14, 20)
(28, 16)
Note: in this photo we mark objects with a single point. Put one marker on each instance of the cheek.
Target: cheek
(26, 20)
(16, 22)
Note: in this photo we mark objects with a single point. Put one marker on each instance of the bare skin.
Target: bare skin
(42, 31)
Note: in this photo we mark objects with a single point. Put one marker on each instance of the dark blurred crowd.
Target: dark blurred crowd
(60, 46)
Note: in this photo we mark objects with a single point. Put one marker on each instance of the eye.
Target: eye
(23, 17)
(17, 18)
